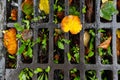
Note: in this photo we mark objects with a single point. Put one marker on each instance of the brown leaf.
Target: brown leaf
(118, 46)
(70, 1)
(106, 43)
(118, 5)
(14, 13)
(27, 34)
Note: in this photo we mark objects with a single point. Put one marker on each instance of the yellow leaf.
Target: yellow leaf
(103, 1)
(71, 23)
(44, 5)
(118, 33)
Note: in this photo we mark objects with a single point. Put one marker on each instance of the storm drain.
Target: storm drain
(75, 60)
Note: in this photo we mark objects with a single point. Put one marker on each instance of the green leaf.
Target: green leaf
(65, 41)
(101, 30)
(109, 51)
(26, 74)
(84, 10)
(100, 51)
(18, 27)
(91, 44)
(27, 9)
(73, 11)
(24, 77)
(38, 70)
(30, 74)
(74, 70)
(77, 78)
(69, 56)
(77, 56)
(60, 45)
(59, 8)
(11, 57)
(107, 10)
(29, 52)
(91, 53)
(42, 76)
(19, 36)
(46, 77)
(44, 43)
(92, 32)
(38, 40)
(56, 61)
(47, 69)
(39, 78)
(21, 49)
(35, 19)
(27, 23)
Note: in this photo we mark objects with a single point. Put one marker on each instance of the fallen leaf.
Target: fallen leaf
(71, 23)
(14, 14)
(10, 41)
(118, 33)
(70, 1)
(27, 8)
(27, 34)
(86, 38)
(118, 5)
(106, 43)
(118, 46)
(44, 5)
(103, 1)
(107, 10)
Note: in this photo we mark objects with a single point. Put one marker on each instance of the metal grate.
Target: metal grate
(66, 66)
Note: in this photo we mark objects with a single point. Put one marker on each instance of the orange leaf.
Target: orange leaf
(71, 23)
(106, 43)
(10, 41)
(14, 14)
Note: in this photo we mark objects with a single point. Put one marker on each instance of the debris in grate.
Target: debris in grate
(89, 43)
(117, 45)
(74, 74)
(58, 74)
(105, 47)
(90, 11)
(59, 41)
(107, 11)
(92, 53)
(106, 75)
(74, 52)
(59, 10)
(42, 73)
(91, 75)
(12, 10)
(43, 45)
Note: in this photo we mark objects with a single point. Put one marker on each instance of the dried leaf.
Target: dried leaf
(86, 38)
(118, 46)
(27, 34)
(14, 14)
(106, 43)
(118, 5)
(10, 41)
(70, 1)
(103, 1)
